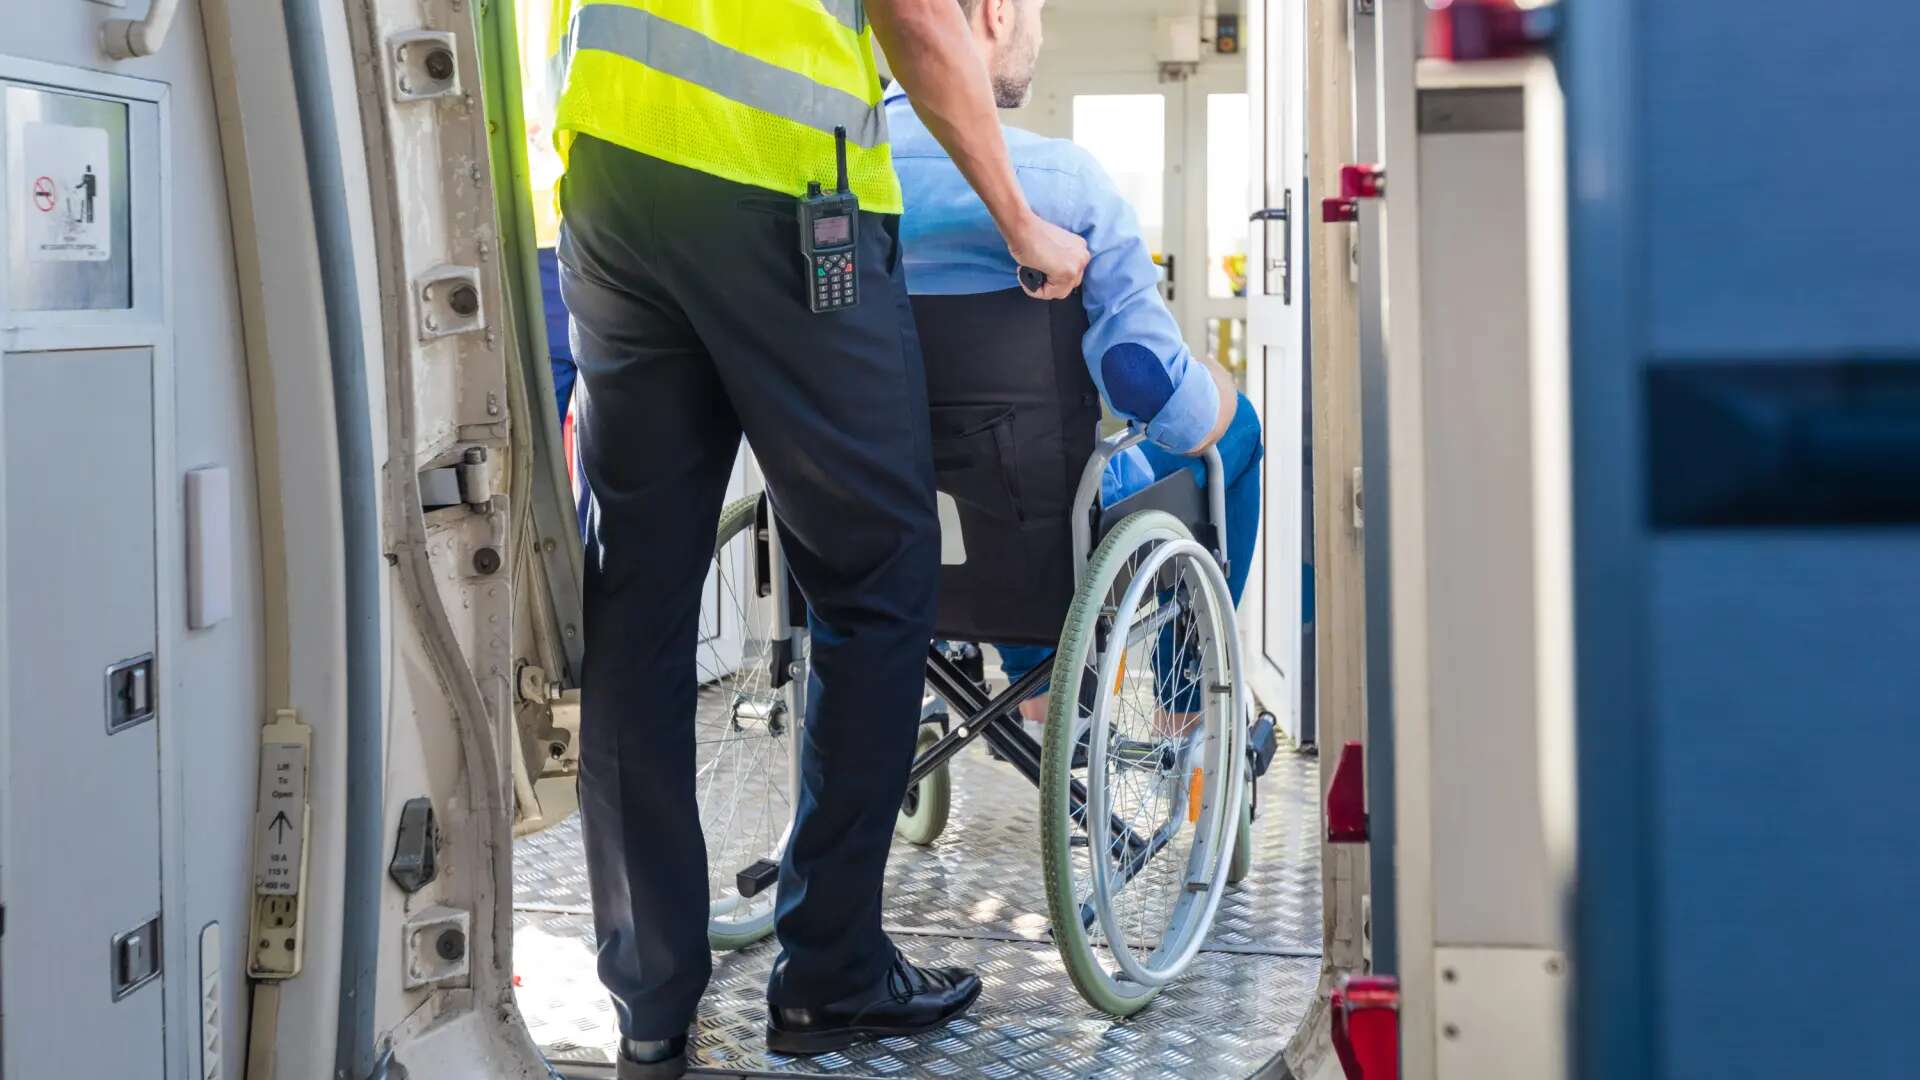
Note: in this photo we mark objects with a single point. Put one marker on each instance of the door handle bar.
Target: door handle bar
(1284, 215)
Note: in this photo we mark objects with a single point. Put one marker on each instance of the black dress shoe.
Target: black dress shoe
(660, 1059)
(909, 1000)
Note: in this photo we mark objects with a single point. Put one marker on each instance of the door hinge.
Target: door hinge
(1357, 500)
(469, 482)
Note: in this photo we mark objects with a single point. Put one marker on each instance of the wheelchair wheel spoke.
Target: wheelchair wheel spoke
(744, 735)
(1161, 763)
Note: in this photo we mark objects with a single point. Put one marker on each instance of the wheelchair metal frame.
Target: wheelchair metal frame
(992, 718)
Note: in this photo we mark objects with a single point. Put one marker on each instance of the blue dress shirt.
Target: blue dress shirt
(1133, 347)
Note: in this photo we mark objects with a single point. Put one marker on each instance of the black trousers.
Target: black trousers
(691, 327)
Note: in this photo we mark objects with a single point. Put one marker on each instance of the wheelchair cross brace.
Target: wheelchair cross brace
(993, 721)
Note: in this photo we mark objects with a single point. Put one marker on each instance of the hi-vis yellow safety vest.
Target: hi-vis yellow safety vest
(747, 90)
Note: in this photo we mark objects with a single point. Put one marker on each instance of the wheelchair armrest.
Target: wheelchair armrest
(1086, 500)
(1173, 494)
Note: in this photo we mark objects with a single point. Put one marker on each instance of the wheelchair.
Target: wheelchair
(1148, 756)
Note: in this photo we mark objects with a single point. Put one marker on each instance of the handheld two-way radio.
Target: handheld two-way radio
(830, 238)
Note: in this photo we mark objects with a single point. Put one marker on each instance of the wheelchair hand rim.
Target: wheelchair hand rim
(1213, 842)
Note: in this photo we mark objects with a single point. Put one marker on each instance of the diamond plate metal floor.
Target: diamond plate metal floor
(976, 898)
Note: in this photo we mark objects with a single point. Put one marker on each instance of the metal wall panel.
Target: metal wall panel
(82, 805)
(1490, 883)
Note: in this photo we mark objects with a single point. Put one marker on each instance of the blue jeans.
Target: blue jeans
(1240, 451)
(560, 359)
(559, 342)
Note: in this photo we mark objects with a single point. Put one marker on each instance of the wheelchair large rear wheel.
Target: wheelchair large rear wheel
(1149, 669)
(745, 741)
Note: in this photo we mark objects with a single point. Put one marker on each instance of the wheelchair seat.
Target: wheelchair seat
(1015, 421)
(1015, 417)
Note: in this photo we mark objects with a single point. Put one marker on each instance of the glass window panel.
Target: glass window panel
(1227, 346)
(1127, 135)
(1229, 195)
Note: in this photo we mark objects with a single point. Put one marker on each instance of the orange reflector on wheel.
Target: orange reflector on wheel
(1120, 676)
(1196, 787)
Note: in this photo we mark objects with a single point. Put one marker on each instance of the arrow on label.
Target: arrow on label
(281, 822)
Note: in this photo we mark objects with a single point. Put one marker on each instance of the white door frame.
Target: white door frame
(1195, 305)
(1271, 611)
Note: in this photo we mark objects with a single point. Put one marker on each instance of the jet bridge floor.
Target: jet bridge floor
(976, 899)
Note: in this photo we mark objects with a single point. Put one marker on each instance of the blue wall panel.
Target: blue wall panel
(1782, 172)
(1786, 737)
(1745, 189)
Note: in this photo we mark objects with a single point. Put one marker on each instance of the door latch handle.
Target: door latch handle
(1284, 215)
(130, 693)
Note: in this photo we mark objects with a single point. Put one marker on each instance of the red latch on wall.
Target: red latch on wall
(1362, 181)
(1366, 1026)
(1335, 211)
(1347, 798)
(1487, 29)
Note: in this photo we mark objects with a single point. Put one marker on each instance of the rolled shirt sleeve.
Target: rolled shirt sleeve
(1133, 346)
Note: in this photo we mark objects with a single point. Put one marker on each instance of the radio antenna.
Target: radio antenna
(840, 155)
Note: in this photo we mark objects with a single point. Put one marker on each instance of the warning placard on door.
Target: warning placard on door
(69, 210)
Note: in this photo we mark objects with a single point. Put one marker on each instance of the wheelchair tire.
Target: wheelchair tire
(745, 745)
(1161, 765)
(923, 815)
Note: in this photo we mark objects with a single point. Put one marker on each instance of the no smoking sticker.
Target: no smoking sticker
(70, 216)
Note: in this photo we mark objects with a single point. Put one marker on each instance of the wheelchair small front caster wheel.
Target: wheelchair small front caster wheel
(923, 813)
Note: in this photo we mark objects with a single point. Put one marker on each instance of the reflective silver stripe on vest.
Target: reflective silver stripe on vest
(851, 13)
(668, 47)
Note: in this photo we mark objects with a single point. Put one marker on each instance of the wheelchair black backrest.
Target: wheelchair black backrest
(1015, 416)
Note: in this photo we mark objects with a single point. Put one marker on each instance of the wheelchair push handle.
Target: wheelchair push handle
(1032, 280)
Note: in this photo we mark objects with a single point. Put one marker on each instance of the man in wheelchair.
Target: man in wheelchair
(1132, 347)
(1104, 570)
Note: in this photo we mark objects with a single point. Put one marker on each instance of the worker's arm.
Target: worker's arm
(928, 47)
